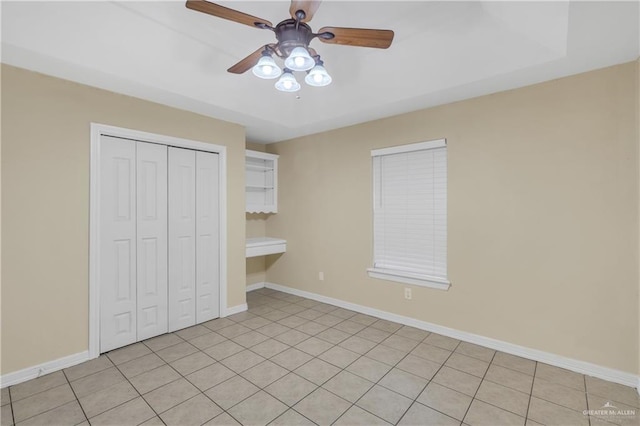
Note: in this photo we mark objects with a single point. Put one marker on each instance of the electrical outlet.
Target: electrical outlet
(321, 276)
(407, 293)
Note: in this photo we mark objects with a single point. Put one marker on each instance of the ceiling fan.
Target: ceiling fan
(293, 37)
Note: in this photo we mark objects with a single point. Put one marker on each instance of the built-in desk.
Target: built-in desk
(265, 245)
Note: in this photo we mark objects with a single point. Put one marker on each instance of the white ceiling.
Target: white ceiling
(442, 52)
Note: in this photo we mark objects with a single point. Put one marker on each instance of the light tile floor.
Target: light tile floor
(294, 361)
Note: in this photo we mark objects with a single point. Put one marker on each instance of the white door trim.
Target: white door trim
(98, 130)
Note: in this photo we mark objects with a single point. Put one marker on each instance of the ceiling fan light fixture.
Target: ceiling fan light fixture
(266, 68)
(287, 83)
(299, 60)
(318, 76)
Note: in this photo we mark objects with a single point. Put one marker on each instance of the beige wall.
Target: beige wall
(638, 179)
(256, 268)
(255, 146)
(45, 205)
(0, 221)
(543, 216)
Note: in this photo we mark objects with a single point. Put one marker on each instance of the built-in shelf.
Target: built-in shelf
(261, 182)
(257, 188)
(263, 246)
(257, 167)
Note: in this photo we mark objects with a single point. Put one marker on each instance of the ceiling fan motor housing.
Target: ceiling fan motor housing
(292, 34)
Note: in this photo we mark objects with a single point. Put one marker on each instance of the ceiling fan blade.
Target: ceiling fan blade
(247, 63)
(226, 13)
(309, 7)
(362, 37)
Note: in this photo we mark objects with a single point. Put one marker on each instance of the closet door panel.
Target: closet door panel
(182, 236)
(152, 318)
(207, 237)
(117, 243)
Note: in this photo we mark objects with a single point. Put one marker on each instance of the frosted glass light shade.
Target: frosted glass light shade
(287, 83)
(266, 68)
(318, 77)
(299, 60)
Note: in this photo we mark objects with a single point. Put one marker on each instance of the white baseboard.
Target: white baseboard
(41, 369)
(235, 310)
(71, 360)
(256, 286)
(582, 367)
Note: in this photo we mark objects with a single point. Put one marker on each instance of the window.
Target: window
(410, 214)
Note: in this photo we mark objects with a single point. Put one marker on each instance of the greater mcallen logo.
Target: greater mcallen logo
(610, 410)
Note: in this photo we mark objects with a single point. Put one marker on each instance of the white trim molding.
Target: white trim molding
(408, 278)
(235, 310)
(399, 149)
(97, 131)
(256, 286)
(42, 369)
(582, 367)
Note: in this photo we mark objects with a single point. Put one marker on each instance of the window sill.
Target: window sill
(408, 278)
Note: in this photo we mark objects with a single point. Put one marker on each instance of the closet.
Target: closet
(159, 239)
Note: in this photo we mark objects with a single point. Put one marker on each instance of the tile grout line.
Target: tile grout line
(254, 384)
(236, 374)
(45, 411)
(586, 396)
(50, 409)
(544, 398)
(291, 407)
(173, 381)
(200, 392)
(379, 380)
(367, 391)
(429, 382)
(35, 393)
(13, 414)
(533, 382)
(360, 355)
(145, 342)
(479, 385)
(313, 357)
(511, 389)
(75, 395)
(394, 366)
(224, 381)
(134, 388)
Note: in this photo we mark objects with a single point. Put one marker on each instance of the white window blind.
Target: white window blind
(410, 212)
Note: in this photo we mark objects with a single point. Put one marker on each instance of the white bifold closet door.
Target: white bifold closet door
(159, 240)
(207, 237)
(117, 243)
(182, 238)
(193, 237)
(133, 270)
(151, 182)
